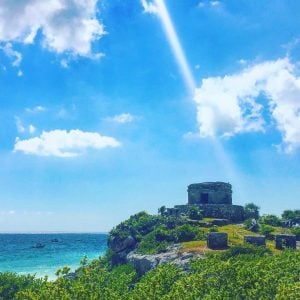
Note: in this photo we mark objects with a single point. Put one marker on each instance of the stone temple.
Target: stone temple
(214, 199)
(210, 193)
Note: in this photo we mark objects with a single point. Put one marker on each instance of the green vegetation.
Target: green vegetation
(270, 220)
(242, 272)
(159, 239)
(291, 215)
(251, 211)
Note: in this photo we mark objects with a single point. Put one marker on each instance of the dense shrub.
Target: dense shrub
(296, 232)
(251, 224)
(271, 220)
(150, 245)
(245, 272)
(11, 283)
(194, 213)
(137, 226)
(291, 216)
(266, 230)
(251, 211)
(185, 233)
(245, 249)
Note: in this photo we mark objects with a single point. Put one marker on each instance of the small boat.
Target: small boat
(54, 240)
(39, 246)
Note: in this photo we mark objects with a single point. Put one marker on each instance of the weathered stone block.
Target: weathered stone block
(255, 240)
(285, 241)
(217, 240)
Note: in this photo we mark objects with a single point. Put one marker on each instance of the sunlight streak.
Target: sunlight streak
(176, 45)
(219, 151)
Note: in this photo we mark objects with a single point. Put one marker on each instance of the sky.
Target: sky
(111, 107)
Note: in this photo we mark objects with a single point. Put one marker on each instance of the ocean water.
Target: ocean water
(43, 254)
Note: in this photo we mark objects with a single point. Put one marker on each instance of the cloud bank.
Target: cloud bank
(66, 26)
(62, 143)
(230, 105)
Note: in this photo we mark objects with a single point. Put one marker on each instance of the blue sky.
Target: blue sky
(108, 108)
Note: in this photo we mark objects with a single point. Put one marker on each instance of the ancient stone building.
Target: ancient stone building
(214, 199)
(210, 193)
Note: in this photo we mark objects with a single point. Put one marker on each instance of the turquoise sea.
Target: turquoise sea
(43, 254)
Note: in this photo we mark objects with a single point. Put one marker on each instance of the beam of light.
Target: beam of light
(175, 45)
(162, 11)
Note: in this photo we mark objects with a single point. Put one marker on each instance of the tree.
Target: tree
(270, 220)
(195, 213)
(162, 210)
(291, 215)
(251, 211)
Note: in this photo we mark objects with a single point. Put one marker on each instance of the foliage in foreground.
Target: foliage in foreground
(242, 273)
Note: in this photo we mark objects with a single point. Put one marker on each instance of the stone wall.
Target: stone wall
(234, 213)
(210, 193)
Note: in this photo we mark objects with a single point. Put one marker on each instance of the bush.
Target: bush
(213, 229)
(185, 233)
(194, 213)
(266, 230)
(11, 283)
(149, 245)
(251, 224)
(163, 234)
(296, 232)
(137, 226)
(271, 220)
(242, 272)
(245, 249)
(291, 215)
(251, 211)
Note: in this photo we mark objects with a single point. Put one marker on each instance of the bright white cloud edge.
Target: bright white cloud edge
(62, 143)
(229, 105)
(65, 26)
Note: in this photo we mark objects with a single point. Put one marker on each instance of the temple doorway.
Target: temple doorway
(204, 198)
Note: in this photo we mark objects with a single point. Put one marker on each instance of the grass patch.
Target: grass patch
(236, 234)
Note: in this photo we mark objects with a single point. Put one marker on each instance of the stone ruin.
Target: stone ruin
(257, 240)
(217, 240)
(210, 193)
(285, 241)
(214, 199)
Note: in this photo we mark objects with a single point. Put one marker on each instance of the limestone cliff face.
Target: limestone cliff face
(120, 247)
(124, 251)
(144, 263)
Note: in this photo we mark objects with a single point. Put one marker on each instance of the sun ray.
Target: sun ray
(181, 60)
(176, 45)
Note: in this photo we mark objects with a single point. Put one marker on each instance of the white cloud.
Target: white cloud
(207, 4)
(19, 125)
(62, 143)
(215, 3)
(228, 105)
(36, 109)
(21, 128)
(122, 118)
(149, 7)
(12, 54)
(66, 26)
(31, 129)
